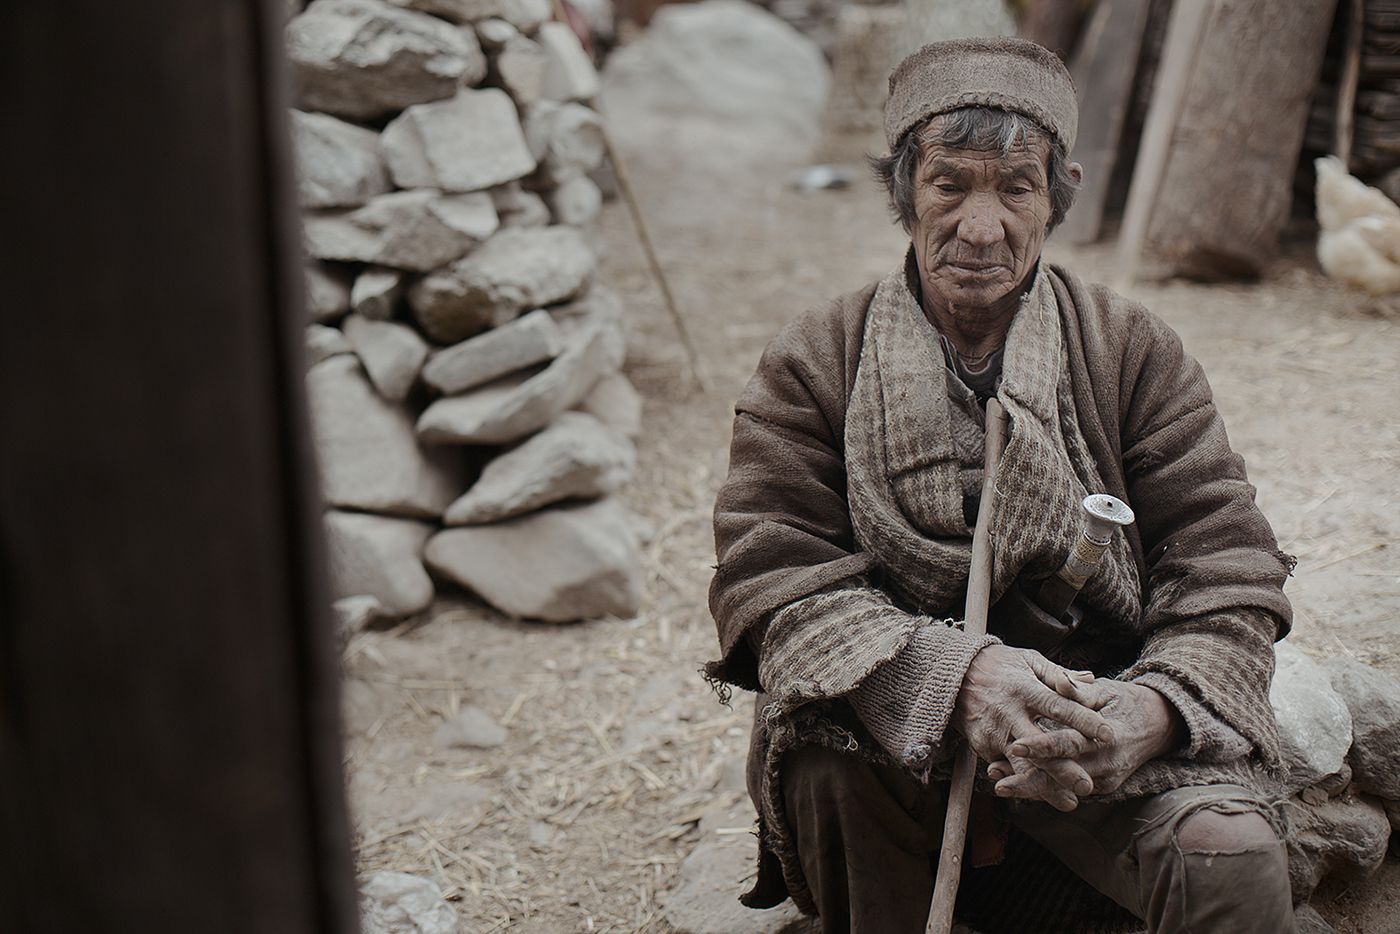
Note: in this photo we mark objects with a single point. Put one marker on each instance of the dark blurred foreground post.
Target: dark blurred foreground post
(169, 752)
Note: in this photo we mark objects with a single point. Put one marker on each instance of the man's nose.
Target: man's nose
(980, 224)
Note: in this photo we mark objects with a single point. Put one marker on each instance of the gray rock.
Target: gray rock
(399, 903)
(530, 339)
(1392, 813)
(392, 354)
(355, 613)
(518, 268)
(705, 897)
(338, 163)
(465, 143)
(416, 230)
(616, 403)
(1314, 723)
(600, 307)
(368, 454)
(729, 60)
(376, 292)
(365, 59)
(323, 342)
(518, 207)
(524, 15)
(569, 73)
(381, 557)
(471, 727)
(327, 292)
(576, 201)
(519, 68)
(518, 405)
(575, 457)
(566, 140)
(1310, 922)
(556, 565)
(1344, 837)
(1373, 698)
(494, 33)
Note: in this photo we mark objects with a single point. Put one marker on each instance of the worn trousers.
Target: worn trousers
(868, 837)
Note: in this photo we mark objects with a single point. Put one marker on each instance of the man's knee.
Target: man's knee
(1212, 831)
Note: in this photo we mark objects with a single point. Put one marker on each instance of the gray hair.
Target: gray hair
(984, 128)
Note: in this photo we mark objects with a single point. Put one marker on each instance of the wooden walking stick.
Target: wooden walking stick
(979, 594)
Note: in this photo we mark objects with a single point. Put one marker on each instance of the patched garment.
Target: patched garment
(842, 529)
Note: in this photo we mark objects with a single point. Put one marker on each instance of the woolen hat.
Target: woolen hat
(1011, 74)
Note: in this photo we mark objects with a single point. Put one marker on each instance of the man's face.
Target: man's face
(979, 223)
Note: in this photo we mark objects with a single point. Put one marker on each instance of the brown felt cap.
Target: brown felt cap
(1012, 74)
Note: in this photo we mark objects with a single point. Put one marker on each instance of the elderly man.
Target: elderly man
(1133, 749)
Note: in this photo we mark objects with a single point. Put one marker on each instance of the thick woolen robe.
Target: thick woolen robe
(840, 530)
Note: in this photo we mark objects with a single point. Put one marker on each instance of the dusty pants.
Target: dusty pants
(1200, 859)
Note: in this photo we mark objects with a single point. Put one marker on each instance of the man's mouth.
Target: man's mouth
(975, 270)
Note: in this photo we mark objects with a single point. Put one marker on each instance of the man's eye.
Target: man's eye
(948, 188)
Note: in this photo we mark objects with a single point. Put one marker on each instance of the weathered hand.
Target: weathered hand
(1144, 726)
(1005, 691)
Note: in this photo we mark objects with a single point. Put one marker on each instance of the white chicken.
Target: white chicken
(1360, 239)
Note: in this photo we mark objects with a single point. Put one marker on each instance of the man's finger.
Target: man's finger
(1076, 716)
(1055, 744)
(1035, 785)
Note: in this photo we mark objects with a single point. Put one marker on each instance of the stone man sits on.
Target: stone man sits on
(1133, 751)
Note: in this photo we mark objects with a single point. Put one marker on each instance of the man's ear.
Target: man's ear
(1077, 171)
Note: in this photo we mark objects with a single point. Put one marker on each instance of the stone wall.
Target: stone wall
(471, 420)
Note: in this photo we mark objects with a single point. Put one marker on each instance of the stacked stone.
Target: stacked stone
(1339, 722)
(470, 415)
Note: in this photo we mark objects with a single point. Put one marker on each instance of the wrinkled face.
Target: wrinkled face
(979, 224)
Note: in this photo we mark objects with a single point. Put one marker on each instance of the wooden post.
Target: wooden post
(169, 745)
(1103, 69)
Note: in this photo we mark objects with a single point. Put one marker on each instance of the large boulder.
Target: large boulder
(466, 143)
(556, 565)
(517, 269)
(1373, 698)
(417, 230)
(1343, 837)
(338, 163)
(368, 453)
(1314, 723)
(365, 59)
(380, 557)
(728, 61)
(575, 457)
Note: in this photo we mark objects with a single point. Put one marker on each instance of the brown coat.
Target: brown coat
(1210, 569)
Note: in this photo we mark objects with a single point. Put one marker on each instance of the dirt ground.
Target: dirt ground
(616, 748)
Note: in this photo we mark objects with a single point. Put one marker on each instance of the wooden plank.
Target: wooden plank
(169, 748)
(1103, 71)
(1226, 188)
(1184, 31)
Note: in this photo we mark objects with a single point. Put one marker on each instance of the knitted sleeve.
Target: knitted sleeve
(1210, 738)
(907, 703)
